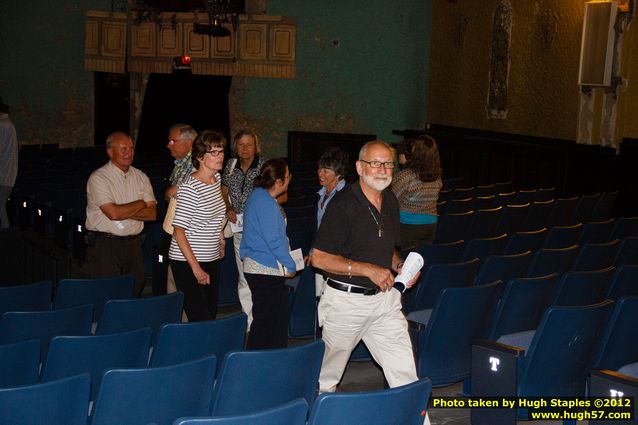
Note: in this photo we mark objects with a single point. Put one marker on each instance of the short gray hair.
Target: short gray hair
(185, 131)
(364, 148)
(112, 136)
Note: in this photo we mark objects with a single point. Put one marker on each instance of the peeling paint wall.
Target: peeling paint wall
(542, 92)
(362, 67)
(42, 74)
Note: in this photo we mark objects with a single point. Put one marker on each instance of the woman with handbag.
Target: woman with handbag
(197, 246)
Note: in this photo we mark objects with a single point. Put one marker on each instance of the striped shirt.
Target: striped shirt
(200, 211)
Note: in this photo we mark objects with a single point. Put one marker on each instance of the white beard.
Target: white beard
(377, 183)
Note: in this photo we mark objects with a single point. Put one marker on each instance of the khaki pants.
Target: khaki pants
(377, 319)
(243, 291)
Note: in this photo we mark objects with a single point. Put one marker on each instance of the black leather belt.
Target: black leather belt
(351, 288)
(112, 236)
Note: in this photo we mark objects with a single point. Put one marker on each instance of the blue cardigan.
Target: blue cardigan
(264, 238)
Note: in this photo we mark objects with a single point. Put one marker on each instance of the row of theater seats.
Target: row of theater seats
(591, 247)
(545, 315)
(148, 368)
(49, 196)
(522, 217)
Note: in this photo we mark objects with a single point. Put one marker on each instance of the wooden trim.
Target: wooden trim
(261, 45)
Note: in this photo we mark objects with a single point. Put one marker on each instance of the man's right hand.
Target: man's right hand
(381, 277)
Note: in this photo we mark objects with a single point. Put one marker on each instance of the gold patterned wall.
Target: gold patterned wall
(542, 95)
(260, 45)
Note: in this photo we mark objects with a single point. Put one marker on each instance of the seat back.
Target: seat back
(602, 210)
(19, 326)
(624, 283)
(401, 405)
(583, 288)
(19, 363)
(539, 213)
(625, 227)
(563, 347)
(523, 304)
(30, 297)
(71, 292)
(627, 253)
(597, 232)
(484, 202)
(525, 196)
(484, 223)
(441, 253)
(505, 198)
(155, 395)
(461, 193)
(548, 261)
(228, 277)
(439, 277)
(452, 227)
(126, 315)
(459, 206)
(292, 413)
(483, 191)
(504, 268)
(444, 349)
(503, 187)
(545, 194)
(596, 256)
(525, 241)
(513, 218)
(563, 212)
(63, 402)
(485, 247)
(74, 355)
(563, 236)
(619, 344)
(303, 306)
(585, 207)
(271, 377)
(182, 342)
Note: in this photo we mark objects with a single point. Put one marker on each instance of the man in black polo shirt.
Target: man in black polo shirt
(356, 248)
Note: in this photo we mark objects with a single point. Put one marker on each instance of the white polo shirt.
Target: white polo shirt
(109, 184)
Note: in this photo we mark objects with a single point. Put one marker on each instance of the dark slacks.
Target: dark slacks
(110, 257)
(270, 312)
(200, 301)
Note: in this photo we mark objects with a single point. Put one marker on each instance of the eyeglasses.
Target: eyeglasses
(377, 164)
(215, 152)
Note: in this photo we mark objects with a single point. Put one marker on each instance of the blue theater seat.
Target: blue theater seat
(562, 347)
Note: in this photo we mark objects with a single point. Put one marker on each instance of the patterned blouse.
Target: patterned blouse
(240, 184)
(415, 196)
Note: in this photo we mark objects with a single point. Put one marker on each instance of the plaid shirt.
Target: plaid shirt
(182, 169)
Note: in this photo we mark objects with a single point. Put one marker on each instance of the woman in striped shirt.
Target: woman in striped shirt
(197, 246)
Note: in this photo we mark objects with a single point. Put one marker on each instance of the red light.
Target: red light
(185, 60)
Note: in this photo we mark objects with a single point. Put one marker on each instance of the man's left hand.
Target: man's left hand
(411, 283)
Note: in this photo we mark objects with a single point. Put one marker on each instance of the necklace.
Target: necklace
(379, 225)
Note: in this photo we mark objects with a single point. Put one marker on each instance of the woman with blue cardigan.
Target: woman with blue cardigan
(266, 257)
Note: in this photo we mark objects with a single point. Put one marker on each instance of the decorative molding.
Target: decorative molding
(260, 45)
(105, 41)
